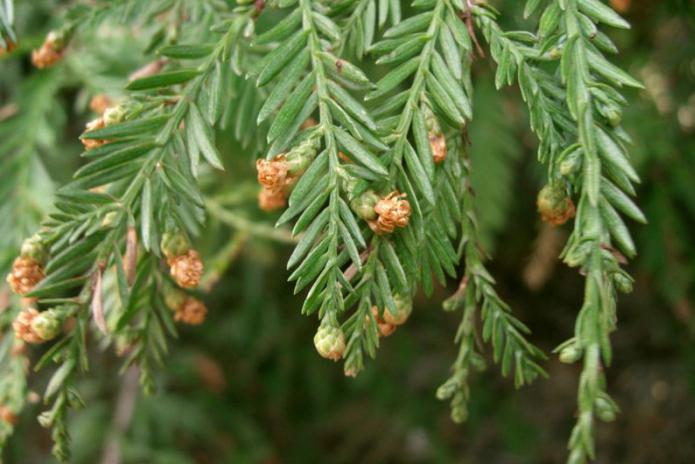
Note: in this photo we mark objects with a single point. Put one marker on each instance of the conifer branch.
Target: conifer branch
(433, 49)
(593, 163)
(518, 60)
(591, 83)
(137, 154)
(13, 376)
(318, 183)
(376, 207)
(476, 292)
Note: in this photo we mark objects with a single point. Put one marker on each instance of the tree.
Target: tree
(373, 174)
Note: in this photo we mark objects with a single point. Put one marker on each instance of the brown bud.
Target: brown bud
(384, 328)
(272, 175)
(438, 146)
(94, 124)
(393, 211)
(404, 306)
(269, 200)
(191, 312)
(7, 415)
(186, 269)
(33, 397)
(22, 326)
(99, 103)
(26, 273)
(48, 55)
(554, 205)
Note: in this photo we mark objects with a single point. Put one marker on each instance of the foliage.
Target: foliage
(153, 168)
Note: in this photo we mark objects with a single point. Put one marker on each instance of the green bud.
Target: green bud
(554, 53)
(612, 113)
(353, 186)
(605, 410)
(615, 117)
(174, 298)
(459, 405)
(60, 38)
(114, 114)
(571, 163)
(452, 303)
(448, 388)
(330, 342)
(576, 457)
(109, 220)
(570, 354)
(569, 167)
(459, 414)
(45, 419)
(47, 325)
(364, 205)
(431, 121)
(33, 248)
(577, 255)
(299, 158)
(404, 304)
(623, 282)
(554, 205)
(174, 244)
(57, 39)
(404, 307)
(478, 362)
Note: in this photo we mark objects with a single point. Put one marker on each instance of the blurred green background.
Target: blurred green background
(247, 386)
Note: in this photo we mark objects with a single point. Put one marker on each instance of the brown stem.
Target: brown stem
(351, 271)
(123, 415)
(467, 17)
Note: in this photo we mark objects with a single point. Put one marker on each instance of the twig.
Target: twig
(467, 18)
(241, 223)
(123, 415)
